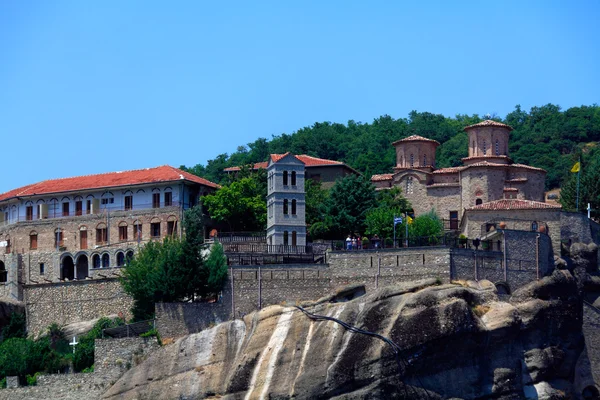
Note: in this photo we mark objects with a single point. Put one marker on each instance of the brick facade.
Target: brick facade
(488, 173)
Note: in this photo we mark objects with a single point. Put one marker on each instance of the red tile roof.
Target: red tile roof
(489, 122)
(309, 161)
(416, 138)
(451, 170)
(513, 204)
(381, 177)
(163, 173)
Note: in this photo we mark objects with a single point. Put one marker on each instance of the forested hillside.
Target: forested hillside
(544, 137)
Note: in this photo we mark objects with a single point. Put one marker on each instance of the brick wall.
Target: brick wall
(66, 303)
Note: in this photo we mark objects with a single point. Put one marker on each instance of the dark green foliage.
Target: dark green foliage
(315, 198)
(589, 185)
(16, 327)
(84, 351)
(380, 220)
(426, 225)
(544, 137)
(172, 270)
(241, 204)
(216, 265)
(346, 208)
(20, 357)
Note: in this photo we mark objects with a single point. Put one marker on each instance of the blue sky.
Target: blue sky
(89, 87)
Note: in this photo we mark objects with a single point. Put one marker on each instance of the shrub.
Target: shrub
(16, 327)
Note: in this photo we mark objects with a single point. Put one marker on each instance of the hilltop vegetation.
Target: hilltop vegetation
(544, 137)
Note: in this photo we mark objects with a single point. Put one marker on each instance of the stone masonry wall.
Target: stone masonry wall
(178, 319)
(70, 302)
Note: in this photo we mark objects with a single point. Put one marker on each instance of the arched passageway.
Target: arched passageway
(67, 268)
(82, 267)
(3, 273)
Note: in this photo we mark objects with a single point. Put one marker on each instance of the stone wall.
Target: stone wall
(70, 302)
(178, 319)
(296, 283)
(516, 268)
(113, 357)
(576, 227)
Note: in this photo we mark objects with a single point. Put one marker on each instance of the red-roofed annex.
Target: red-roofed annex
(486, 176)
(317, 169)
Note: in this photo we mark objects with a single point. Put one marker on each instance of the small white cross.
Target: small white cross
(74, 343)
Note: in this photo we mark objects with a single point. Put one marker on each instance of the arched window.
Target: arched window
(484, 148)
(293, 178)
(96, 261)
(101, 233)
(33, 240)
(412, 160)
(285, 238)
(285, 206)
(294, 238)
(473, 145)
(123, 231)
(3, 273)
(534, 226)
(478, 202)
(128, 257)
(120, 259)
(425, 160)
(105, 260)
(58, 238)
(285, 178)
(497, 148)
(294, 207)
(409, 185)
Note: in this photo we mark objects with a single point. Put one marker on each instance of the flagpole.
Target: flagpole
(578, 172)
(394, 230)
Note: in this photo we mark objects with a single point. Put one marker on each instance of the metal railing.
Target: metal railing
(135, 329)
(446, 240)
(225, 237)
(270, 249)
(450, 224)
(266, 259)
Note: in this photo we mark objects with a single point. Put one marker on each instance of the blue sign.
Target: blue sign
(397, 220)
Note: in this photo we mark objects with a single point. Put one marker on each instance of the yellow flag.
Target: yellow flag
(576, 167)
(409, 219)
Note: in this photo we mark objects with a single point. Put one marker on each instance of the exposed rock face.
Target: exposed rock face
(460, 342)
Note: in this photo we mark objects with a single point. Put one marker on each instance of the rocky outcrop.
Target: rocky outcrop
(457, 341)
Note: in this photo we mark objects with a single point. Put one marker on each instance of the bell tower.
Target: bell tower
(415, 152)
(488, 141)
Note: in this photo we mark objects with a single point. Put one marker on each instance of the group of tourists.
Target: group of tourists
(355, 242)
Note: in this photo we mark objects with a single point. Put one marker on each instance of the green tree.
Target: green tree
(20, 357)
(216, 264)
(241, 204)
(314, 200)
(426, 225)
(346, 208)
(16, 327)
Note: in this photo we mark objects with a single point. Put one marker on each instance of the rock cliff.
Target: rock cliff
(457, 341)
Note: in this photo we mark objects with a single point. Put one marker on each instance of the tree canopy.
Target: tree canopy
(545, 137)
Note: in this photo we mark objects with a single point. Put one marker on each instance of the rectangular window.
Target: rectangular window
(155, 229)
(293, 207)
(123, 233)
(137, 231)
(285, 207)
(65, 209)
(58, 239)
(110, 200)
(42, 268)
(168, 199)
(285, 178)
(29, 213)
(33, 242)
(171, 228)
(155, 200)
(454, 220)
(88, 206)
(293, 178)
(83, 240)
(101, 236)
(128, 202)
(79, 207)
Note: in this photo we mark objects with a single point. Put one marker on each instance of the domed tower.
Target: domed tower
(415, 152)
(488, 141)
